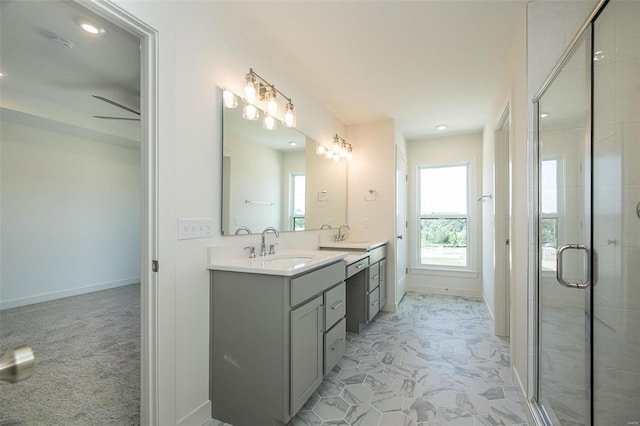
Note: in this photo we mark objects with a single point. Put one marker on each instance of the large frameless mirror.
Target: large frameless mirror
(274, 178)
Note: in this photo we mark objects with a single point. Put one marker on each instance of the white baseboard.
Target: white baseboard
(45, 297)
(488, 307)
(428, 289)
(198, 417)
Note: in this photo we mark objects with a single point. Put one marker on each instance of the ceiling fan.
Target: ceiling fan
(109, 101)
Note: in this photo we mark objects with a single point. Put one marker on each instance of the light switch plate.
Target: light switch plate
(190, 228)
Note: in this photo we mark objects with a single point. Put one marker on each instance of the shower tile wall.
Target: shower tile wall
(617, 225)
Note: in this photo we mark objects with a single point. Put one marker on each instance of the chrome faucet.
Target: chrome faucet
(263, 247)
(243, 228)
(340, 236)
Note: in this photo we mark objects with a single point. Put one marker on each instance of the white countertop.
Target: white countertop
(352, 245)
(286, 263)
(355, 257)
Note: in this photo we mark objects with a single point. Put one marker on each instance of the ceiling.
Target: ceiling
(422, 63)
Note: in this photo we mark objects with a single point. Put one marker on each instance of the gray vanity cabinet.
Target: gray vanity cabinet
(269, 340)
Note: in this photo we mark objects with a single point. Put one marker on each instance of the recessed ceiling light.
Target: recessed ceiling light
(441, 127)
(90, 27)
(293, 143)
(3, 74)
(544, 115)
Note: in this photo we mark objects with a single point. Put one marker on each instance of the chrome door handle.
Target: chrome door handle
(16, 364)
(559, 271)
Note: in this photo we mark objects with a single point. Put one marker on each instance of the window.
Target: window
(549, 188)
(444, 218)
(297, 202)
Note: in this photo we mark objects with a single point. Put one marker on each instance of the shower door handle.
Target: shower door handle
(559, 271)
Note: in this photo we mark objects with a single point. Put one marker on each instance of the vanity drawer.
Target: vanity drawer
(334, 345)
(308, 285)
(377, 254)
(373, 304)
(334, 305)
(374, 276)
(358, 266)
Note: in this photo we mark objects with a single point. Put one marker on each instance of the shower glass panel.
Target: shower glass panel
(616, 230)
(564, 141)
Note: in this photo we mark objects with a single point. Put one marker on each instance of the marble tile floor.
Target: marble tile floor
(434, 362)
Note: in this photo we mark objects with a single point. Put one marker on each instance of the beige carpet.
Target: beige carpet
(87, 360)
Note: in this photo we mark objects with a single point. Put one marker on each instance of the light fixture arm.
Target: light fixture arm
(266, 83)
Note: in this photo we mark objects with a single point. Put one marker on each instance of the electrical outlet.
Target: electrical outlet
(194, 228)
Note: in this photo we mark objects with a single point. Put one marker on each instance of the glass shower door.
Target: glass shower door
(564, 139)
(616, 231)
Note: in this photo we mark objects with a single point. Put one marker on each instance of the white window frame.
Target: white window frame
(292, 194)
(559, 205)
(471, 270)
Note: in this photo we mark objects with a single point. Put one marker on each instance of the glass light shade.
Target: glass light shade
(289, 119)
(336, 144)
(250, 112)
(349, 156)
(229, 99)
(272, 103)
(336, 157)
(328, 155)
(250, 91)
(320, 149)
(269, 122)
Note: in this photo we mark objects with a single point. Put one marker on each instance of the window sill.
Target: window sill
(458, 273)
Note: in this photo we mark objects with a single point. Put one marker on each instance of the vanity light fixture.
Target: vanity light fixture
(229, 99)
(250, 112)
(257, 89)
(441, 127)
(269, 122)
(340, 148)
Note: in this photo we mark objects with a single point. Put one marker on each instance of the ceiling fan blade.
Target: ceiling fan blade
(103, 117)
(109, 101)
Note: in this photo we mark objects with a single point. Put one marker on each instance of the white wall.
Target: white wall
(255, 174)
(199, 49)
(443, 150)
(70, 215)
(513, 94)
(373, 167)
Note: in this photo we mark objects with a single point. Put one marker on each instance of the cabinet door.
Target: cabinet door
(383, 283)
(306, 352)
(373, 303)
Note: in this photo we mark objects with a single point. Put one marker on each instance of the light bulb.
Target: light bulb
(350, 153)
(250, 91)
(269, 122)
(229, 99)
(250, 112)
(320, 149)
(336, 144)
(328, 155)
(272, 103)
(289, 119)
(336, 157)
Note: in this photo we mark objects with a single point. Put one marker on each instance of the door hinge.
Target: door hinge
(406, 224)
(406, 271)
(155, 265)
(406, 178)
(508, 241)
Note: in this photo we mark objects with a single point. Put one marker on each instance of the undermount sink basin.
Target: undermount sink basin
(286, 263)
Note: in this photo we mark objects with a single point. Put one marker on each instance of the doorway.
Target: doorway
(588, 368)
(58, 137)
(502, 227)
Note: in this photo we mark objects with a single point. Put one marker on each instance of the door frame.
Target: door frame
(149, 371)
(503, 243)
(400, 276)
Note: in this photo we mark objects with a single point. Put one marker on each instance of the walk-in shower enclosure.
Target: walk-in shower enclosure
(588, 223)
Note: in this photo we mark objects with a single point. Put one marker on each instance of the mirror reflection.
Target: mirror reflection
(274, 178)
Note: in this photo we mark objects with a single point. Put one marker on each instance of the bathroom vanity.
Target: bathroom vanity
(277, 328)
(366, 269)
